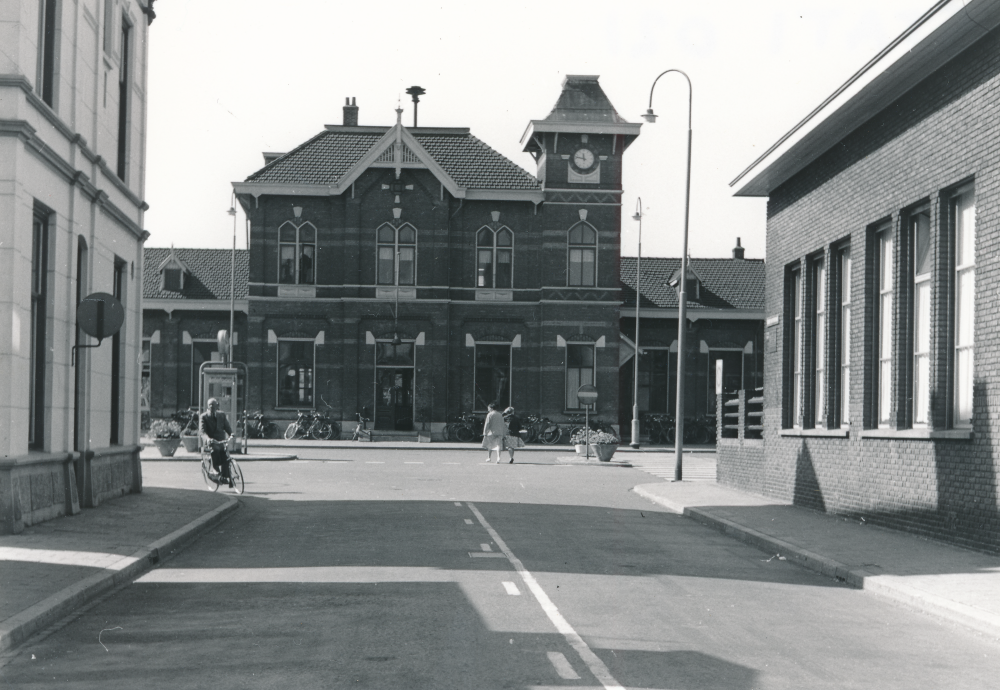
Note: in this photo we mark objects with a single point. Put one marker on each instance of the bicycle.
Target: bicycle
(213, 480)
(542, 429)
(259, 427)
(361, 432)
(322, 427)
(299, 428)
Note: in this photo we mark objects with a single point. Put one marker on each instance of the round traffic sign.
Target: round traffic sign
(587, 394)
(100, 315)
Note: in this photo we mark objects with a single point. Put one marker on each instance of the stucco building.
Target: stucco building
(72, 158)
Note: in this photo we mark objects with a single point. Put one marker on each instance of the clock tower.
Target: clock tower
(579, 146)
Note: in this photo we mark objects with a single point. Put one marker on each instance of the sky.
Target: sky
(229, 79)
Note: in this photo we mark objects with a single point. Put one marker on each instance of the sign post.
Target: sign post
(587, 394)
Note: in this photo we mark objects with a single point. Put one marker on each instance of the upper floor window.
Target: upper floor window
(46, 78)
(397, 255)
(963, 221)
(582, 241)
(920, 241)
(494, 258)
(297, 254)
(884, 273)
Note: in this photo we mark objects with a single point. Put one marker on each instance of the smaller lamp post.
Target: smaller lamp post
(232, 286)
(638, 296)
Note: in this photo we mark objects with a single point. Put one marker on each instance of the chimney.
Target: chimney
(738, 250)
(350, 112)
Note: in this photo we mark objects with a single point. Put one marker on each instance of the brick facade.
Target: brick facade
(938, 480)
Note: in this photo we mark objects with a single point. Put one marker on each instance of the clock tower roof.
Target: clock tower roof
(582, 108)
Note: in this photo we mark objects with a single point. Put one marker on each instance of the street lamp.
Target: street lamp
(649, 116)
(232, 286)
(638, 295)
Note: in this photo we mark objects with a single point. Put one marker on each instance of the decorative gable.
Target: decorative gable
(173, 272)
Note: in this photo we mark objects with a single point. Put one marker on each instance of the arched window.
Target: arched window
(297, 254)
(582, 242)
(397, 255)
(495, 258)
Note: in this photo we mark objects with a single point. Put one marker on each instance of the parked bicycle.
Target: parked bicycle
(361, 432)
(258, 426)
(542, 429)
(299, 427)
(465, 429)
(660, 428)
(322, 427)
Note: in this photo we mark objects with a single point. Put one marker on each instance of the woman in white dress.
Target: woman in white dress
(494, 431)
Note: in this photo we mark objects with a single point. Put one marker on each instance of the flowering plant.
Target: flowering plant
(164, 428)
(593, 437)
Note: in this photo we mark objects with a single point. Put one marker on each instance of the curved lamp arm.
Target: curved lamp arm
(649, 115)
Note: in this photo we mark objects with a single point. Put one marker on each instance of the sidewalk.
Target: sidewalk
(946, 581)
(54, 568)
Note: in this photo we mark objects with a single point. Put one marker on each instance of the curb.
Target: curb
(23, 625)
(886, 586)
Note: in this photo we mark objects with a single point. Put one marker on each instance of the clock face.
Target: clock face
(583, 159)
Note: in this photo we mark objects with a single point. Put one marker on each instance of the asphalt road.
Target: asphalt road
(410, 570)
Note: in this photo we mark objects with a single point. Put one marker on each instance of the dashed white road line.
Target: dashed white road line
(562, 666)
(593, 662)
(485, 547)
(468, 521)
(374, 462)
(512, 589)
(458, 503)
(413, 462)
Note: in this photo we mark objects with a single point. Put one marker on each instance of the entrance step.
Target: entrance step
(400, 436)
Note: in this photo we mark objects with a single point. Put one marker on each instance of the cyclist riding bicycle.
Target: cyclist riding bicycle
(215, 432)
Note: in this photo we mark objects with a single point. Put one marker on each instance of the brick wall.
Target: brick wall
(941, 134)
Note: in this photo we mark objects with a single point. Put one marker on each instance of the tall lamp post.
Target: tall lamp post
(638, 295)
(649, 116)
(232, 286)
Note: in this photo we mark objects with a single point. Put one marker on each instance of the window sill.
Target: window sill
(822, 433)
(403, 293)
(490, 295)
(297, 291)
(919, 434)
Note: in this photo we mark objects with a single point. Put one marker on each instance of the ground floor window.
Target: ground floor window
(579, 372)
(492, 376)
(296, 362)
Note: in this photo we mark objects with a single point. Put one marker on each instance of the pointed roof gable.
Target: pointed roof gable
(208, 273)
(332, 160)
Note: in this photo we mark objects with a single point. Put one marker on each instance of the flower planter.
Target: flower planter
(190, 443)
(604, 451)
(167, 446)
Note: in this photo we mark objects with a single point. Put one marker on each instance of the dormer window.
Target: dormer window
(173, 279)
(172, 273)
(692, 287)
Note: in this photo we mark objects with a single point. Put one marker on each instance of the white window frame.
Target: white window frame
(921, 300)
(844, 343)
(495, 250)
(819, 341)
(299, 244)
(581, 247)
(395, 253)
(277, 373)
(962, 209)
(795, 346)
(884, 340)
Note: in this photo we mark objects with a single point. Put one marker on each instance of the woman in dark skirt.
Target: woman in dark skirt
(513, 438)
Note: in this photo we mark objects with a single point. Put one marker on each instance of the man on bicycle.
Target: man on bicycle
(216, 431)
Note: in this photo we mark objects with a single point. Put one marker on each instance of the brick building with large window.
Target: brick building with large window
(417, 273)
(880, 379)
